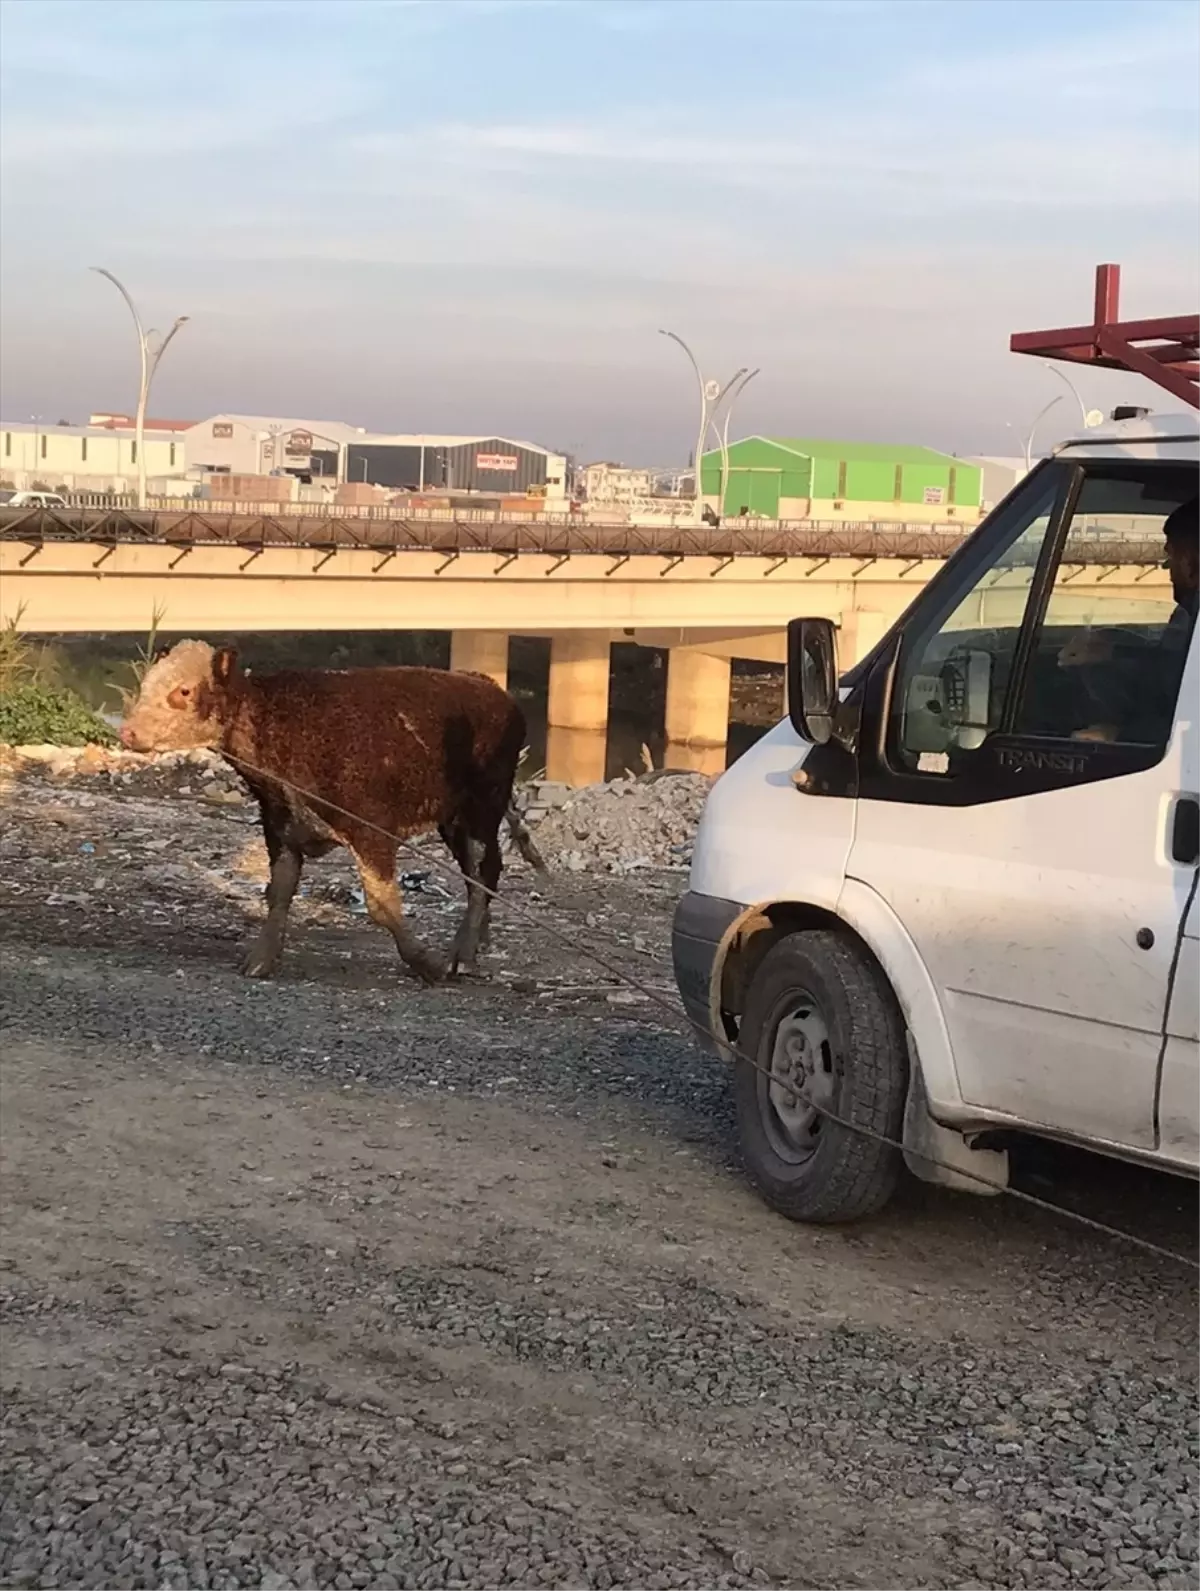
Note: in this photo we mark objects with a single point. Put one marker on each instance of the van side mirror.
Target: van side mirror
(812, 678)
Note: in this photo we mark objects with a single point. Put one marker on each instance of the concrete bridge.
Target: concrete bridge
(705, 594)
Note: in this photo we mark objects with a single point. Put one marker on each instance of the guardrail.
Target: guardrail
(561, 535)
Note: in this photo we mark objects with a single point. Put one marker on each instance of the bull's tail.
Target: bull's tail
(523, 840)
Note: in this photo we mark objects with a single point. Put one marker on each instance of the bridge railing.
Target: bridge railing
(560, 535)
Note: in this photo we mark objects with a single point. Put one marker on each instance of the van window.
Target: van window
(954, 674)
(1055, 638)
(1108, 658)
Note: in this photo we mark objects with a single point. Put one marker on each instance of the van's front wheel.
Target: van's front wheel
(824, 1032)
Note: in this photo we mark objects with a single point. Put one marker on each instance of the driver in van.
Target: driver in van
(1156, 704)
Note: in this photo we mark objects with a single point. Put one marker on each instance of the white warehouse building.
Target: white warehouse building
(257, 444)
(88, 458)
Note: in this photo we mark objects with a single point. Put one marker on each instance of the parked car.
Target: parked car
(15, 499)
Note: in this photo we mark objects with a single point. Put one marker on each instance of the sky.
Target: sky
(476, 215)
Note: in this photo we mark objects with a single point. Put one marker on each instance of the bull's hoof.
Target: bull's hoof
(468, 972)
(431, 969)
(463, 963)
(257, 963)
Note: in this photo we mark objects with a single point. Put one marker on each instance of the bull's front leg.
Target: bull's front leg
(264, 956)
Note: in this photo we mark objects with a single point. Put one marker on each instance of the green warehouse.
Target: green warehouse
(780, 477)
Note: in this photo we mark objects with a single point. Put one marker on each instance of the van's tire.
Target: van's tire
(820, 1006)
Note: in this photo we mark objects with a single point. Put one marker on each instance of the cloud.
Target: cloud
(873, 153)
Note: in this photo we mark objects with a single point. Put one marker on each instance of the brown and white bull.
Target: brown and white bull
(356, 757)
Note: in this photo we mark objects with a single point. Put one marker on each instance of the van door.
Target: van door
(1016, 802)
(1178, 1105)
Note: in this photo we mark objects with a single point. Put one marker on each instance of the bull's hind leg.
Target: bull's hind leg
(263, 958)
(385, 906)
(489, 872)
(470, 853)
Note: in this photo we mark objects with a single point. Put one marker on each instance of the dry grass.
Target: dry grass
(139, 665)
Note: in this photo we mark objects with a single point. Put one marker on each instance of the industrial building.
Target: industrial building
(604, 482)
(107, 420)
(1000, 474)
(257, 444)
(247, 444)
(492, 465)
(802, 478)
(88, 458)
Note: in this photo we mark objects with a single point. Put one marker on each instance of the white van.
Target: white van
(955, 896)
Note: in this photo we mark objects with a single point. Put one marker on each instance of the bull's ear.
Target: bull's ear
(224, 665)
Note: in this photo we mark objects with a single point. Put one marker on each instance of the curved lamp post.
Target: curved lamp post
(1074, 390)
(735, 389)
(151, 348)
(1027, 445)
(712, 396)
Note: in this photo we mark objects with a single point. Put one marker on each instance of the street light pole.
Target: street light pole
(149, 354)
(1027, 445)
(736, 387)
(704, 402)
(712, 395)
(1064, 377)
(1041, 415)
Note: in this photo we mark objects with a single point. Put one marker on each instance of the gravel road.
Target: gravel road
(341, 1282)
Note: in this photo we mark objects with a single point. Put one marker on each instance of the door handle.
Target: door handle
(1185, 831)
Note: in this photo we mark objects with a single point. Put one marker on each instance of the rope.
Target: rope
(648, 992)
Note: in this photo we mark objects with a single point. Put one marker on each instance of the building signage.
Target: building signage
(935, 494)
(501, 463)
(299, 444)
(222, 430)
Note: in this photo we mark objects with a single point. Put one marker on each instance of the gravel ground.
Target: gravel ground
(342, 1282)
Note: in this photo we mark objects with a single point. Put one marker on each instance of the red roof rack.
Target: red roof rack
(1165, 350)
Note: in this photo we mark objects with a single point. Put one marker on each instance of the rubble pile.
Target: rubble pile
(618, 827)
(202, 773)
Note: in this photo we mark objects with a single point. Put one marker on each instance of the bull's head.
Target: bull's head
(184, 700)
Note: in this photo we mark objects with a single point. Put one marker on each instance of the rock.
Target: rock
(92, 759)
(39, 753)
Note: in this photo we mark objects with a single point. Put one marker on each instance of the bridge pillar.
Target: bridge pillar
(577, 711)
(858, 631)
(480, 652)
(697, 717)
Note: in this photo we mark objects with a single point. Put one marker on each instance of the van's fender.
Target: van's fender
(864, 911)
(933, 1150)
(875, 922)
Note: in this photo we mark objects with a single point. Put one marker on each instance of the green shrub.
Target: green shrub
(32, 714)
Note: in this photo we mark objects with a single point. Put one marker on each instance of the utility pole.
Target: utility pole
(151, 348)
(712, 396)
